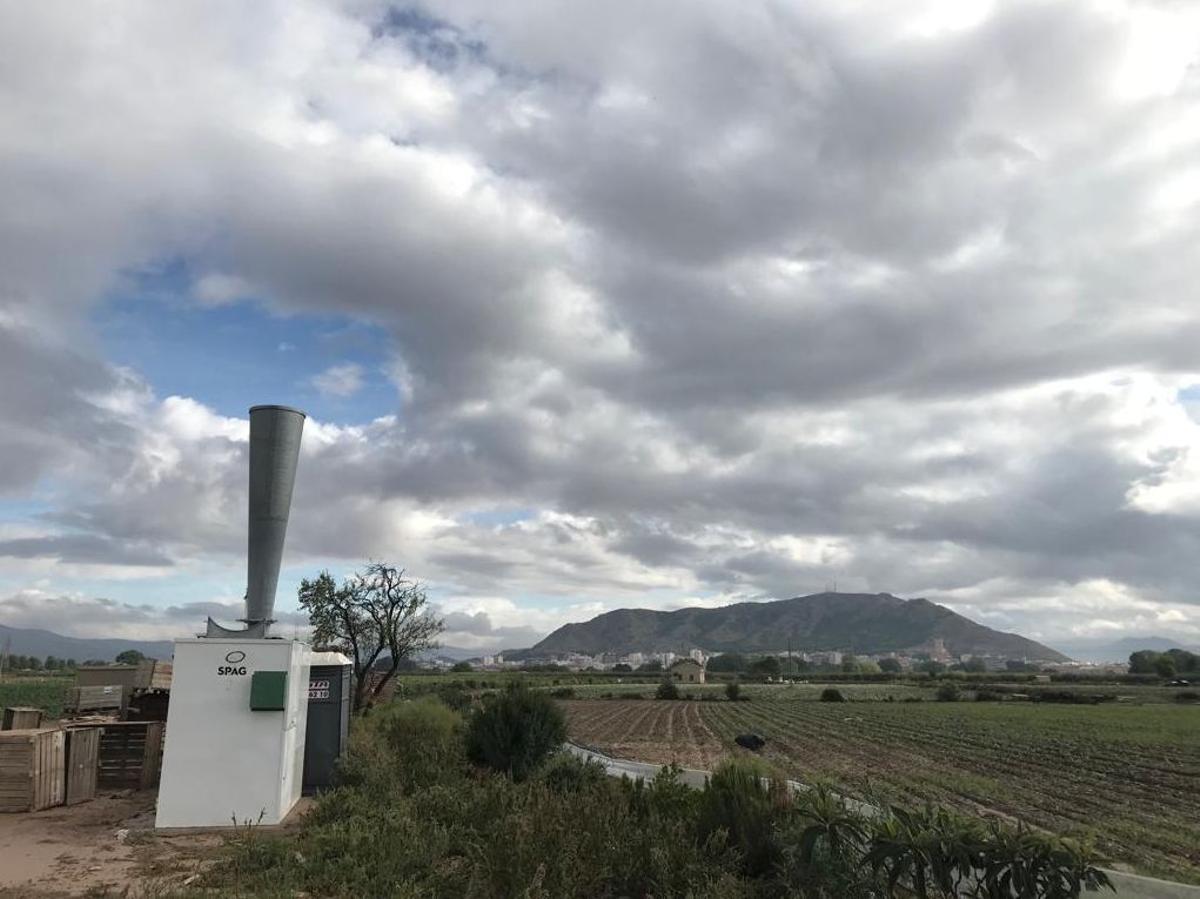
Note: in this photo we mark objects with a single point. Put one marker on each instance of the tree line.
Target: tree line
(16, 662)
(1164, 664)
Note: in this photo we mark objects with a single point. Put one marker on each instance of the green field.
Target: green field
(46, 693)
(1127, 773)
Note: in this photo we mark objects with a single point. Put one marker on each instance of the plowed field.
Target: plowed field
(1129, 775)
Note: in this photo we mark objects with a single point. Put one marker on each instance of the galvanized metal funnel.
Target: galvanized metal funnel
(275, 433)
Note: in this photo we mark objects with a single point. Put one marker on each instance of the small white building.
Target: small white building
(687, 671)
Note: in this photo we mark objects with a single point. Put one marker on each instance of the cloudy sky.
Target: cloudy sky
(605, 304)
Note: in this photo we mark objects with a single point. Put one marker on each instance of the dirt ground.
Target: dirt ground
(108, 844)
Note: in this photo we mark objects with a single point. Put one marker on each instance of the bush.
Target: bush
(515, 731)
(733, 691)
(1071, 697)
(1188, 696)
(567, 773)
(404, 744)
(832, 694)
(563, 693)
(667, 690)
(824, 846)
(741, 802)
(454, 696)
(948, 693)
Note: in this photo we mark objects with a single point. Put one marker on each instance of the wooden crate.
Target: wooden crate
(32, 769)
(149, 674)
(160, 676)
(130, 753)
(83, 758)
(107, 697)
(21, 718)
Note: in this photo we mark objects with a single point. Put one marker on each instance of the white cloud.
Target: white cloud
(340, 380)
(731, 302)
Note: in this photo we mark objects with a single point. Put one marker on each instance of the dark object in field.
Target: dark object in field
(750, 741)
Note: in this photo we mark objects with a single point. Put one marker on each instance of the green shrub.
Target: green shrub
(667, 690)
(948, 693)
(404, 744)
(832, 694)
(733, 691)
(1071, 697)
(454, 696)
(742, 802)
(824, 842)
(567, 773)
(515, 731)
(563, 693)
(933, 852)
(1188, 696)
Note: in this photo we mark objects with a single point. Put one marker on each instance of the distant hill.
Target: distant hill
(34, 642)
(453, 654)
(1118, 650)
(855, 622)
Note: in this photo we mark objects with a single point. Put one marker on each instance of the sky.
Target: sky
(605, 305)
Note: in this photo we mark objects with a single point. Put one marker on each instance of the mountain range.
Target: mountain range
(850, 622)
(1103, 650)
(40, 643)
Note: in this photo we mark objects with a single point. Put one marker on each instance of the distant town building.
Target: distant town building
(697, 656)
(687, 671)
(821, 659)
(938, 651)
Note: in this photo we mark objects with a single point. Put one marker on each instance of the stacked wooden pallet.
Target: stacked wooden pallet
(130, 754)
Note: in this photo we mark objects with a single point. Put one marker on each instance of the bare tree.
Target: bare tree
(376, 615)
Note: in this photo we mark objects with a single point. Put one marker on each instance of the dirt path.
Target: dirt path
(106, 844)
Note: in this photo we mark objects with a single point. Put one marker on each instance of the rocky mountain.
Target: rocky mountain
(40, 643)
(854, 622)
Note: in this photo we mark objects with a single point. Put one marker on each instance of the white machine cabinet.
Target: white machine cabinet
(235, 732)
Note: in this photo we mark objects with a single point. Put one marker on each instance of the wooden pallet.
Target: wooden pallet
(130, 753)
(32, 769)
(83, 760)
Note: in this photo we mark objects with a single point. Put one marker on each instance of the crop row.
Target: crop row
(1128, 774)
(934, 755)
